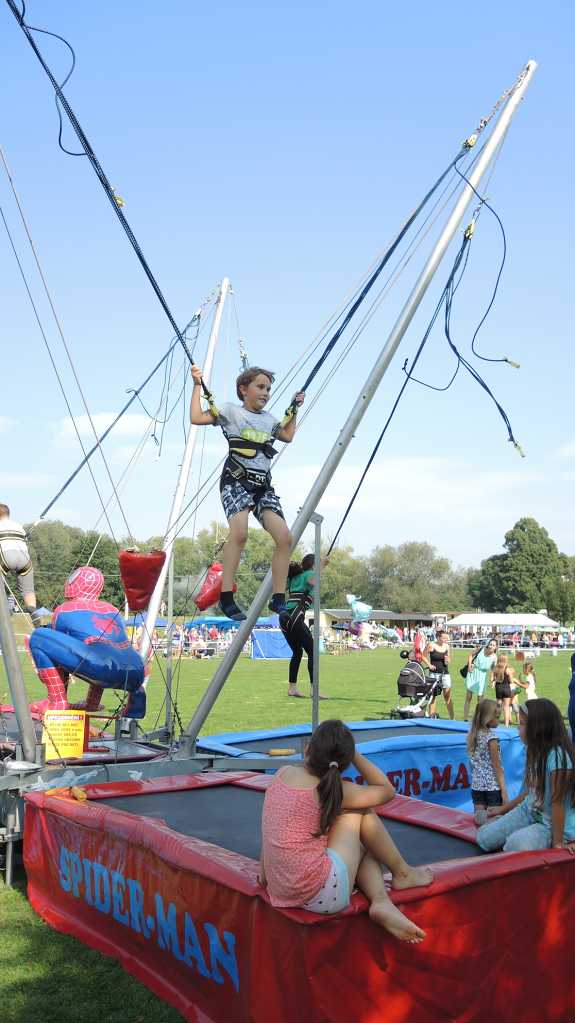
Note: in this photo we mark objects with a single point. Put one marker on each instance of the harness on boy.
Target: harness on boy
(236, 470)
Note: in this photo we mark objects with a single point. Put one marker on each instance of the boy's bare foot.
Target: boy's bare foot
(388, 916)
(412, 877)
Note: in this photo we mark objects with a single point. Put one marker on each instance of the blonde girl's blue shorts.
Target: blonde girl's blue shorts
(333, 896)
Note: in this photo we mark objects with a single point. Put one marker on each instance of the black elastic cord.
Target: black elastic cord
(19, 15)
(487, 206)
(447, 300)
(399, 396)
(378, 270)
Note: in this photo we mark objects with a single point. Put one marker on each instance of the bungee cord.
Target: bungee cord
(402, 389)
(283, 385)
(196, 322)
(116, 202)
(446, 300)
(484, 203)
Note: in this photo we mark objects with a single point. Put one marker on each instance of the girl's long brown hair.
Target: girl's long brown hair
(545, 731)
(332, 742)
(295, 568)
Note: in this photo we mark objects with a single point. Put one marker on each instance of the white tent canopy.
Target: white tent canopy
(501, 621)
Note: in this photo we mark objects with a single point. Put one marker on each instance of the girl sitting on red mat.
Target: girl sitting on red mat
(320, 836)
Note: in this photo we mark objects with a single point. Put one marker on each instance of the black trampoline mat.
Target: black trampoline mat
(9, 730)
(230, 816)
(359, 734)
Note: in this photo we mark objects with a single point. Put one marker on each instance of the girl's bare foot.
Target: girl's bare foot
(388, 916)
(293, 691)
(412, 877)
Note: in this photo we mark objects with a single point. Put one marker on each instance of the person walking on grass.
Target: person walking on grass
(437, 655)
(480, 664)
(301, 584)
(504, 681)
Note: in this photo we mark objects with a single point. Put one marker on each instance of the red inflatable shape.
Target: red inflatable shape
(211, 587)
(419, 644)
(140, 573)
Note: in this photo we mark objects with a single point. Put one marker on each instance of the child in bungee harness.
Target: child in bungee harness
(245, 483)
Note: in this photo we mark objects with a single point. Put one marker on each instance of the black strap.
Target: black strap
(256, 478)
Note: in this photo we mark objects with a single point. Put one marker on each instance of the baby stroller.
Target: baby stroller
(420, 688)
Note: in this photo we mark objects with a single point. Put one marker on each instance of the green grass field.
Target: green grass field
(50, 977)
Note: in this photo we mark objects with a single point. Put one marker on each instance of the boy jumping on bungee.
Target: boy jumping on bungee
(245, 483)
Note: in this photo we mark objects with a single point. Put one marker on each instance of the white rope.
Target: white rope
(60, 329)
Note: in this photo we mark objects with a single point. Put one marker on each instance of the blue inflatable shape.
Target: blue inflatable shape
(110, 667)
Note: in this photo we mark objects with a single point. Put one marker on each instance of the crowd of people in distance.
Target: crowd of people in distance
(526, 640)
(189, 640)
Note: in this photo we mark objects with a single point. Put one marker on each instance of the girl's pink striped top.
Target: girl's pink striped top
(296, 863)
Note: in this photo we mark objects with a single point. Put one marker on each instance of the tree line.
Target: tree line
(530, 575)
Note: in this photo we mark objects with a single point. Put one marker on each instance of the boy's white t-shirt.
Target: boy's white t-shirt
(237, 421)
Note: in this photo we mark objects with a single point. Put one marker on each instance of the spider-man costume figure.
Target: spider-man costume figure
(88, 639)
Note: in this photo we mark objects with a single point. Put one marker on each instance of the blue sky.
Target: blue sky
(283, 145)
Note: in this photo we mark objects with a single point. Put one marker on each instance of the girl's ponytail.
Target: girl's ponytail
(296, 568)
(330, 794)
(330, 751)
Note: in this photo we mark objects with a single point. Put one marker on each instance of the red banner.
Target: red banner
(189, 920)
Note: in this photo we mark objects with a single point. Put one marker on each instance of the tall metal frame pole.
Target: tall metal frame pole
(182, 484)
(317, 521)
(13, 670)
(169, 651)
(361, 405)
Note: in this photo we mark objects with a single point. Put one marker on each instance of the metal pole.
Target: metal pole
(15, 677)
(169, 663)
(362, 403)
(180, 492)
(317, 521)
